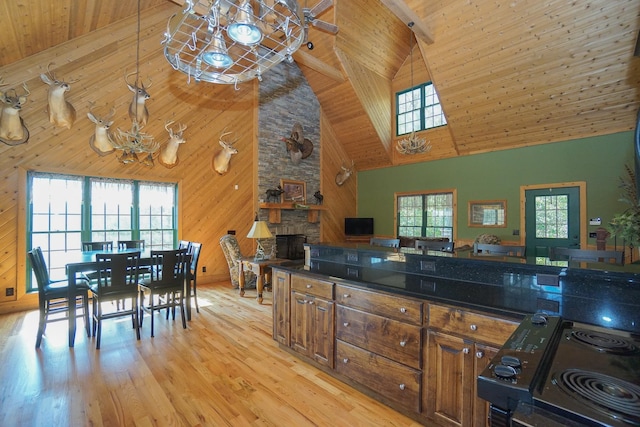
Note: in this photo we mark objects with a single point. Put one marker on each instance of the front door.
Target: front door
(552, 218)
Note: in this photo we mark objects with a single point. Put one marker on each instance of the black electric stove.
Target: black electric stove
(552, 372)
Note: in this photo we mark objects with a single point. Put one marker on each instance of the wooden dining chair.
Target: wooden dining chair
(586, 255)
(192, 273)
(53, 295)
(131, 244)
(92, 276)
(117, 281)
(389, 243)
(165, 288)
(184, 244)
(143, 270)
(97, 246)
(432, 245)
(498, 250)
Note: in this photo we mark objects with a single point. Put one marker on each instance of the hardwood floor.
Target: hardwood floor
(224, 370)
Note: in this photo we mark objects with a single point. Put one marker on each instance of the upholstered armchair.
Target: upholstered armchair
(232, 253)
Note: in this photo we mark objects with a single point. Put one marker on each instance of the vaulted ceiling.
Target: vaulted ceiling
(508, 74)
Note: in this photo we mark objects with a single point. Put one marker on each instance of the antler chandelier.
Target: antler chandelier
(413, 144)
(135, 142)
(230, 42)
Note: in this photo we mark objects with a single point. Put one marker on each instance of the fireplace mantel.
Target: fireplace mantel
(276, 208)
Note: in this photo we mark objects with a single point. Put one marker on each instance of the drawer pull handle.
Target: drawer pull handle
(311, 302)
(480, 354)
(403, 310)
(474, 327)
(345, 324)
(346, 296)
(345, 360)
(403, 343)
(402, 386)
(309, 286)
(465, 350)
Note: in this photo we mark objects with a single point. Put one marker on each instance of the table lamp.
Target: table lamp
(259, 230)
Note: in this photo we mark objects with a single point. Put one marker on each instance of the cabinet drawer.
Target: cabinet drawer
(479, 327)
(390, 338)
(391, 306)
(311, 286)
(390, 379)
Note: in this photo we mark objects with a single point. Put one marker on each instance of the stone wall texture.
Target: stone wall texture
(287, 98)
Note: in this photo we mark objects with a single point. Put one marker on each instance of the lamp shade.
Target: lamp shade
(216, 54)
(243, 28)
(259, 230)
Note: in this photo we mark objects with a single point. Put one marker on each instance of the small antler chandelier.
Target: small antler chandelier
(413, 144)
(135, 142)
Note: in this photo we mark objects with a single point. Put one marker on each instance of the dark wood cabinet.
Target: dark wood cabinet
(448, 388)
(460, 343)
(312, 319)
(281, 286)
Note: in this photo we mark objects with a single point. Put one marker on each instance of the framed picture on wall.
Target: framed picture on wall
(488, 213)
(294, 191)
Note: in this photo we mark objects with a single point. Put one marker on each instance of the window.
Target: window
(66, 210)
(426, 215)
(418, 109)
(552, 217)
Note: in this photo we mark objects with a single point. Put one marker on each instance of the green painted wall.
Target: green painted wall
(599, 161)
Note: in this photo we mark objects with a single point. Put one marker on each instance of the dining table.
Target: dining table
(81, 262)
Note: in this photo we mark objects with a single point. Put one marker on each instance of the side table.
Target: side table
(262, 270)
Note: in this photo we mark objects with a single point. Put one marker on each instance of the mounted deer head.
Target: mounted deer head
(169, 153)
(221, 160)
(344, 174)
(12, 128)
(61, 112)
(138, 111)
(101, 141)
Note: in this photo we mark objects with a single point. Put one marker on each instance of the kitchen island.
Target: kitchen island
(414, 329)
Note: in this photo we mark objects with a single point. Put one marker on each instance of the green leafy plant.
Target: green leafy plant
(626, 225)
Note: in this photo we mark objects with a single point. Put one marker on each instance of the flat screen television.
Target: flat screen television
(358, 226)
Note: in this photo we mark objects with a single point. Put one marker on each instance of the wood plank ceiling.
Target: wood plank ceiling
(509, 74)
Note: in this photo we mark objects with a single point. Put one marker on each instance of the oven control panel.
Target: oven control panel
(519, 365)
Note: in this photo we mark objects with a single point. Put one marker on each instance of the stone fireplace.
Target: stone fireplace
(286, 98)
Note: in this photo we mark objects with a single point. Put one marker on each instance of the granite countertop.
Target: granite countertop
(507, 287)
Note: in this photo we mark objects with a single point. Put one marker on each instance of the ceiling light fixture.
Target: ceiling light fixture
(232, 41)
(134, 141)
(413, 144)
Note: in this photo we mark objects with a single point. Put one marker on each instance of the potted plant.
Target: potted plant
(626, 225)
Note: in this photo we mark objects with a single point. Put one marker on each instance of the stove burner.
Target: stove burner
(605, 343)
(611, 396)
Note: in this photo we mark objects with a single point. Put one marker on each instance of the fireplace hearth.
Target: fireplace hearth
(290, 246)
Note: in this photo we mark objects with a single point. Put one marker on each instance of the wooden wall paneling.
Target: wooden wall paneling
(382, 55)
(40, 25)
(340, 201)
(351, 123)
(372, 91)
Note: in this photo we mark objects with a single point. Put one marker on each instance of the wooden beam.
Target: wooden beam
(406, 15)
(308, 60)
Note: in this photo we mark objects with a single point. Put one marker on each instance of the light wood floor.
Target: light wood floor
(224, 370)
